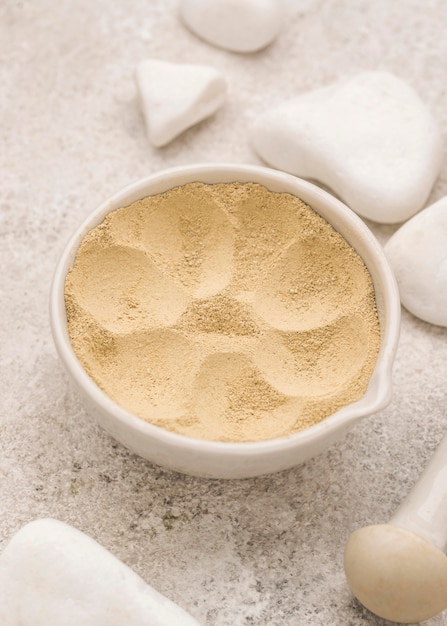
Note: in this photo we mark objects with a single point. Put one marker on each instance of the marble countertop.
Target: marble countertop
(264, 551)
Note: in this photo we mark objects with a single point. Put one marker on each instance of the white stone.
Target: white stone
(417, 253)
(369, 139)
(236, 25)
(176, 96)
(54, 575)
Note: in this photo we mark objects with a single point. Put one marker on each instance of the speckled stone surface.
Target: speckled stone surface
(265, 551)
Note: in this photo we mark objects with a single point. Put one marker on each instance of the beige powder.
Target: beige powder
(225, 312)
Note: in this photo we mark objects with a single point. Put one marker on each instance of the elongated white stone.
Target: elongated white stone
(236, 25)
(175, 96)
(54, 575)
(417, 253)
(368, 138)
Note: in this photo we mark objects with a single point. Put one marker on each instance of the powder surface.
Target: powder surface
(224, 312)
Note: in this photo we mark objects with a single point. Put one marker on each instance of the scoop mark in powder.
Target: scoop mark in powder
(190, 240)
(308, 363)
(225, 312)
(237, 403)
(123, 290)
(312, 284)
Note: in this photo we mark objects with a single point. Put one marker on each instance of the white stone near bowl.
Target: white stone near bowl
(236, 25)
(369, 138)
(51, 573)
(417, 253)
(176, 96)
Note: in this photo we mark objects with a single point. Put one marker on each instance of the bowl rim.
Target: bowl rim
(372, 401)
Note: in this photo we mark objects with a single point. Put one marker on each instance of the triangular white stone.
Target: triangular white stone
(417, 252)
(368, 138)
(52, 574)
(176, 96)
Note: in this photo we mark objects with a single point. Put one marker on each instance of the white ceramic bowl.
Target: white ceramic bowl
(235, 460)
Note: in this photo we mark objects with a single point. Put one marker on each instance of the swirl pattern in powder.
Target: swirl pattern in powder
(225, 312)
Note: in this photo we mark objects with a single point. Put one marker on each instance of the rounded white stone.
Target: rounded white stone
(51, 573)
(368, 138)
(236, 25)
(417, 253)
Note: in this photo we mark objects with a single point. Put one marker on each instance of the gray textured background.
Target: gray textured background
(264, 551)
